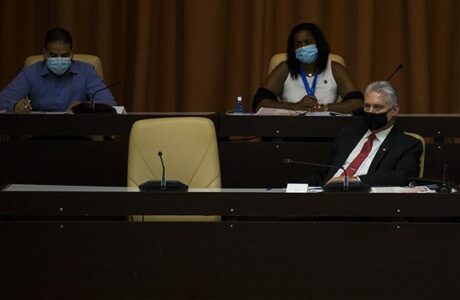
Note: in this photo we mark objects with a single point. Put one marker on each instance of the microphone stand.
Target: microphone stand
(91, 107)
(346, 183)
(92, 102)
(163, 185)
(394, 72)
(445, 186)
(163, 176)
(359, 186)
(359, 111)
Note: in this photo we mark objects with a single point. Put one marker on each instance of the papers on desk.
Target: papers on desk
(402, 189)
(66, 188)
(79, 188)
(266, 111)
(35, 112)
(297, 188)
(302, 188)
(236, 190)
(120, 110)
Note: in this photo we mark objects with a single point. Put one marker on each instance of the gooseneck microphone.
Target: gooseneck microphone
(394, 72)
(346, 183)
(163, 185)
(445, 186)
(359, 111)
(91, 101)
(163, 178)
(440, 186)
(92, 107)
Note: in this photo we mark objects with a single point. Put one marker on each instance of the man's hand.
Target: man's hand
(72, 105)
(341, 178)
(23, 106)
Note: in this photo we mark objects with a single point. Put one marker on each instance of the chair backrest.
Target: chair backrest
(90, 59)
(422, 157)
(189, 147)
(280, 57)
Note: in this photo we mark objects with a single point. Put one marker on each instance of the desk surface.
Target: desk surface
(247, 164)
(82, 124)
(271, 245)
(433, 125)
(87, 201)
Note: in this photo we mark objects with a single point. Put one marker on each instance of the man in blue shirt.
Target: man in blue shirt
(57, 83)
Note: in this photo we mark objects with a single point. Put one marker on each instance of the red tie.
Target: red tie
(356, 163)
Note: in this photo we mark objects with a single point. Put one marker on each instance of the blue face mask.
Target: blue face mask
(307, 54)
(58, 65)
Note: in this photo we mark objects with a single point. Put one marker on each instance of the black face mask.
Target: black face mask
(375, 121)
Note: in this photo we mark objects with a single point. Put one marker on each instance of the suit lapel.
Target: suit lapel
(349, 143)
(383, 149)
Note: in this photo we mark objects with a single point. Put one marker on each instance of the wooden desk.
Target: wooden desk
(243, 163)
(276, 246)
(428, 125)
(63, 154)
(257, 164)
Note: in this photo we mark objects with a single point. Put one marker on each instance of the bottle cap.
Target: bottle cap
(239, 98)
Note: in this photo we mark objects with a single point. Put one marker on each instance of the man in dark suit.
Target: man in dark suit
(375, 152)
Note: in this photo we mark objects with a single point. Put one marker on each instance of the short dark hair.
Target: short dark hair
(58, 34)
(321, 44)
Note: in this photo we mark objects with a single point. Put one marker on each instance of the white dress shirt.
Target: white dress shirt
(362, 170)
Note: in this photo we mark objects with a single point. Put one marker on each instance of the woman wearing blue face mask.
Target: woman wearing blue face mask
(308, 80)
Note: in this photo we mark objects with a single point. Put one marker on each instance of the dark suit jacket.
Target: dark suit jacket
(397, 159)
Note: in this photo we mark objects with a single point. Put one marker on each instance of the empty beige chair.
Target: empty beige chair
(280, 57)
(90, 59)
(190, 154)
(422, 157)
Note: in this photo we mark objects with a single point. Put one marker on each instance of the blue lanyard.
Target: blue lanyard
(310, 90)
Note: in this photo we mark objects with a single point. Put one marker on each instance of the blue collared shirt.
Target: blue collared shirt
(49, 92)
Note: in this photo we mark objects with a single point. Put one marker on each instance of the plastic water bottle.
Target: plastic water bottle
(239, 105)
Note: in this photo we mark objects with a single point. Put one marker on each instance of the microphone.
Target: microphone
(359, 111)
(440, 186)
(163, 184)
(92, 107)
(163, 180)
(394, 72)
(445, 186)
(100, 90)
(358, 186)
(346, 184)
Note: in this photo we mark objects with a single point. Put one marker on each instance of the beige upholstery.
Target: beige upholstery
(90, 59)
(280, 57)
(189, 147)
(422, 157)
(190, 154)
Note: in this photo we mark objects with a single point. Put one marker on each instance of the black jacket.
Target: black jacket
(397, 159)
